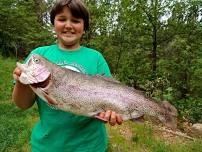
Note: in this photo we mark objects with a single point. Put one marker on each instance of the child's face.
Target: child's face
(69, 29)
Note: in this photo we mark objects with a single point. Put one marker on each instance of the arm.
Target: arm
(22, 95)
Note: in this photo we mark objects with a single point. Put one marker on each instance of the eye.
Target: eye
(75, 21)
(62, 19)
(36, 60)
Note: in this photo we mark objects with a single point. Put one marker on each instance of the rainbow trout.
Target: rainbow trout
(87, 95)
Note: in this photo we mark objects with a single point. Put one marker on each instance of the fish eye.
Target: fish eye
(36, 60)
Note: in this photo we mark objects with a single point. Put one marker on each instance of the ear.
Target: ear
(54, 29)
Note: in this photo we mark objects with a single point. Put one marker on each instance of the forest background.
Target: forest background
(152, 45)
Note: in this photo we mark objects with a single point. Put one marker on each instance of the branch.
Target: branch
(177, 133)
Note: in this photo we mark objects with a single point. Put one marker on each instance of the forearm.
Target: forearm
(23, 96)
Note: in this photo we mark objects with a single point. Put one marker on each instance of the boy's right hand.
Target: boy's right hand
(16, 73)
(22, 96)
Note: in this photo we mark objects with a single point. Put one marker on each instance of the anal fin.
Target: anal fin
(139, 119)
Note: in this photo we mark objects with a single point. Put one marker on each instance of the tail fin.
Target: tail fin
(170, 115)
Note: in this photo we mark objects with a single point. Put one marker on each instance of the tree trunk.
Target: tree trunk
(154, 49)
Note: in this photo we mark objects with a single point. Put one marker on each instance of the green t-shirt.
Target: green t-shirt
(59, 131)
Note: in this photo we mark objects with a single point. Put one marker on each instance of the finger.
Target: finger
(15, 77)
(101, 119)
(107, 115)
(101, 114)
(112, 120)
(17, 71)
(119, 119)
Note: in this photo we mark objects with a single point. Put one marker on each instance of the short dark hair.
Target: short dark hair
(77, 8)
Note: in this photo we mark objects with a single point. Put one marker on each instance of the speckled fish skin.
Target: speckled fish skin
(88, 95)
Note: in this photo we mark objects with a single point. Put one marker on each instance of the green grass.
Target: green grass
(16, 126)
(131, 137)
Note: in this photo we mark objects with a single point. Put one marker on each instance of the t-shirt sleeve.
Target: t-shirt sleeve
(102, 66)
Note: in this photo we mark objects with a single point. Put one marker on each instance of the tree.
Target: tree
(20, 28)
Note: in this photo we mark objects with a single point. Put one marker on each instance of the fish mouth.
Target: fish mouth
(21, 66)
(42, 84)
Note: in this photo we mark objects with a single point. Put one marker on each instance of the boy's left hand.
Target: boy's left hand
(110, 116)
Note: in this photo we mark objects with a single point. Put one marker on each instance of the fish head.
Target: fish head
(34, 71)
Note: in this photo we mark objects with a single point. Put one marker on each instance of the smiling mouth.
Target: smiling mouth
(67, 35)
(70, 33)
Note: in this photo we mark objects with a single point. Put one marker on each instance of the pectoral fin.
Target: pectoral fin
(49, 99)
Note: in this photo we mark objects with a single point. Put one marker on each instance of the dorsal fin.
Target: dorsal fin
(109, 79)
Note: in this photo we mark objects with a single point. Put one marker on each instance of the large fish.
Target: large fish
(88, 95)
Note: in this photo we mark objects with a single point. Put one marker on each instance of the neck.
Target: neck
(69, 47)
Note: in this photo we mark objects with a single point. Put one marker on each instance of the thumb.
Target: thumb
(16, 73)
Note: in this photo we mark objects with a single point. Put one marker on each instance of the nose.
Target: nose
(68, 24)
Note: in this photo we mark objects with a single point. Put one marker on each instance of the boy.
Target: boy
(59, 131)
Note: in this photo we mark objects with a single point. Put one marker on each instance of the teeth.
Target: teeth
(67, 32)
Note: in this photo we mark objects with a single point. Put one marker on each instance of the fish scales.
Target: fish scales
(87, 95)
(88, 91)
